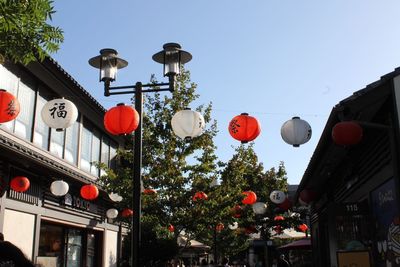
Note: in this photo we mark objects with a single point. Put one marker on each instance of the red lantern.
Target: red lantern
(250, 230)
(307, 196)
(9, 106)
(200, 196)
(121, 119)
(303, 227)
(89, 192)
(278, 229)
(219, 227)
(237, 211)
(285, 205)
(244, 128)
(250, 197)
(149, 191)
(127, 213)
(279, 218)
(20, 184)
(171, 228)
(347, 133)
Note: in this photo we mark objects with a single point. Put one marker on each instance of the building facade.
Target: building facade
(55, 231)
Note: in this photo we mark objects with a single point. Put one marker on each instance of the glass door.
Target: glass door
(74, 248)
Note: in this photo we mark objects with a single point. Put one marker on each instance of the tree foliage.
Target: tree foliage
(24, 32)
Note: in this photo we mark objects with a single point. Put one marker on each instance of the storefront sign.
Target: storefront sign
(352, 208)
(79, 203)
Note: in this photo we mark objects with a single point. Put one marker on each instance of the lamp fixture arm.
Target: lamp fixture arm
(120, 90)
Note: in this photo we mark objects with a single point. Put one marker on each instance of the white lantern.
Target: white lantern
(112, 213)
(296, 132)
(259, 208)
(115, 197)
(59, 188)
(188, 124)
(277, 196)
(233, 226)
(59, 113)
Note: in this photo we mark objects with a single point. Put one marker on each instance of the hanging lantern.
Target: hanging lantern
(237, 211)
(200, 196)
(115, 197)
(59, 188)
(219, 227)
(149, 191)
(9, 106)
(244, 128)
(121, 119)
(278, 229)
(233, 226)
(285, 205)
(188, 124)
(171, 228)
(347, 133)
(279, 218)
(59, 113)
(307, 195)
(296, 132)
(112, 213)
(20, 184)
(127, 213)
(259, 208)
(250, 197)
(303, 227)
(277, 196)
(89, 192)
(251, 229)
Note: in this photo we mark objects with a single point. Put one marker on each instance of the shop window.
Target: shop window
(24, 121)
(94, 170)
(51, 246)
(71, 143)
(74, 248)
(41, 131)
(113, 156)
(86, 149)
(57, 143)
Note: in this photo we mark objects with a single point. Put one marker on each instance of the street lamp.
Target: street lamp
(108, 63)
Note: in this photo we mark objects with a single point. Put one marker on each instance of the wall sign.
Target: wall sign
(79, 203)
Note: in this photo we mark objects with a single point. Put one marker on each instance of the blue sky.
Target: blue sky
(271, 59)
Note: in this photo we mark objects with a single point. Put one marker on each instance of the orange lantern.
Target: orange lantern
(303, 227)
(250, 197)
(219, 227)
(149, 191)
(244, 128)
(127, 213)
(200, 196)
(237, 211)
(121, 119)
(171, 228)
(9, 106)
(347, 133)
(20, 184)
(279, 218)
(89, 192)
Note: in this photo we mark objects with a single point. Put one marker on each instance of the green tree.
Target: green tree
(24, 32)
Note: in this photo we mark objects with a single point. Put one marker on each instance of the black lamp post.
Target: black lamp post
(108, 62)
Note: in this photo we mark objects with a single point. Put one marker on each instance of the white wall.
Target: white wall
(110, 248)
(19, 229)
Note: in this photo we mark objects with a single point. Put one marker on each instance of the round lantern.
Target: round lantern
(303, 227)
(188, 123)
(307, 195)
(149, 191)
(219, 227)
(277, 197)
(200, 196)
(244, 128)
(20, 184)
(285, 205)
(59, 113)
(278, 229)
(127, 213)
(59, 188)
(171, 228)
(296, 132)
(259, 208)
(251, 229)
(112, 213)
(347, 133)
(233, 226)
(115, 197)
(89, 192)
(9, 106)
(279, 218)
(121, 119)
(250, 197)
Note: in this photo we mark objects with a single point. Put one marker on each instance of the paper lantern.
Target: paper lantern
(278, 229)
(244, 128)
(89, 192)
(59, 113)
(59, 188)
(250, 197)
(9, 106)
(112, 213)
(219, 227)
(277, 197)
(127, 213)
(115, 197)
(149, 191)
(20, 183)
(171, 228)
(188, 124)
(303, 227)
(121, 119)
(200, 196)
(296, 132)
(233, 226)
(251, 229)
(347, 133)
(285, 205)
(259, 208)
(279, 218)
(237, 211)
(307, 195)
